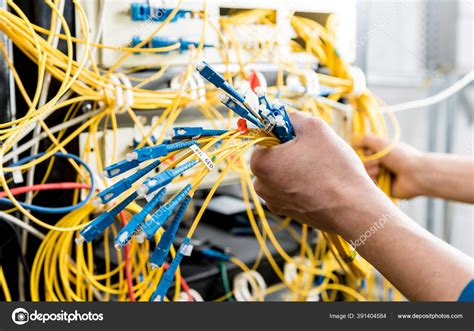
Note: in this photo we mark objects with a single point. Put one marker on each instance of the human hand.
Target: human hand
(316, 178)
(403, 162)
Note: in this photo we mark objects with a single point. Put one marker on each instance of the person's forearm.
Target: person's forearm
(446, 176)
(420, 265)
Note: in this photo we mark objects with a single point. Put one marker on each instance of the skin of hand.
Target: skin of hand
(403, 162)
(312, 178)
(415, 173)
(318, 179)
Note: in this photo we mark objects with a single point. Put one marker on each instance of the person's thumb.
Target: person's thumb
(298, 120)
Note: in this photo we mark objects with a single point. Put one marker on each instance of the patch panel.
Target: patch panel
(157, 42)
(144, 12)
(126, 22)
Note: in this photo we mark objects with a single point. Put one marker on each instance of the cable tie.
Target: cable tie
(359, 85)
(117, 88)
(350, 258)
(129, 99)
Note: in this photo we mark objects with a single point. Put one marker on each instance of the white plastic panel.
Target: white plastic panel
(119, 29)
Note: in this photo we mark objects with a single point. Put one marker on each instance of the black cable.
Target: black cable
(18, 241)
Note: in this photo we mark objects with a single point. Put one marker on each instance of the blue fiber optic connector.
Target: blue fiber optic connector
(215, 254)
(136, 41)
(96, 227)
(142, 154)
(213, 77)
(144, 12)
(161, 215)
(283, 128)
(162, 249)
(126, 233)
(239, 110)
(168, 277)
(218, 81)
(262, 97)
(121, 167)
(153, 152)
(121, 186)
(276, 116)
(195, 132)
(160, 42)
(154, 183)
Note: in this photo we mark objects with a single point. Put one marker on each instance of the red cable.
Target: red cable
(46, 187)
(69, 186)
(184, 284)
(128, 270)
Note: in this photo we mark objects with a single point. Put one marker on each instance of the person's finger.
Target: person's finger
(373, 166)
(372, 142)
(275, 209)
(272, 201)
(260, 161)
(267, 192)
(259, 188)
(298, 120)
(307, 125)
(372, 163)
(376, 144)
(265, 158)
(373, 172)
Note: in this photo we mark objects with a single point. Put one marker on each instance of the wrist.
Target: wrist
(419, 170)
(370, 212)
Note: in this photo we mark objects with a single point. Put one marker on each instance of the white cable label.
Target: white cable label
(203, 157)
(17, 177)
(186, 250)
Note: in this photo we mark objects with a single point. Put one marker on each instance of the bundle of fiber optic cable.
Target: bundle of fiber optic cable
(270, 117)
(68, 274)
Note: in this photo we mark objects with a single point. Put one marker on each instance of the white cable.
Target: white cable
(184, 297)
(313, 295)
(290, 270)
(251, 279)
(453, 89)
(334, 104)
(99, 31)
(23, 225)
(196, 296)
(43, 135)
